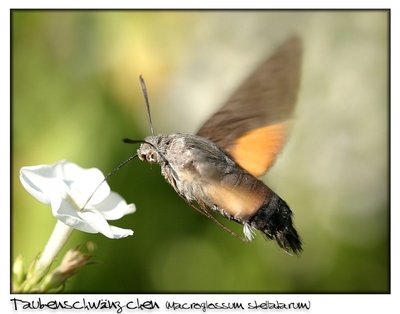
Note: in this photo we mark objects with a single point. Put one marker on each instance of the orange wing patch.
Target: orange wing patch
(256, 150)
(237, 202)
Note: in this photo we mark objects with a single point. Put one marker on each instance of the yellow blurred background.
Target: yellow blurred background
(75, 95)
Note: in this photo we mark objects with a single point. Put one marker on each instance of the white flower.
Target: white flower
(66, 187)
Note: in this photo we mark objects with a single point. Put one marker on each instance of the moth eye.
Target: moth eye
(168, 142)
(142, 157)
(151, 157)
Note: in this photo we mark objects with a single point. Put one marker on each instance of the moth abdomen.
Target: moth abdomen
(274, 219)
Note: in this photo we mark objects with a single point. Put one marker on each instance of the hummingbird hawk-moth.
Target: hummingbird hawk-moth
(216, 169)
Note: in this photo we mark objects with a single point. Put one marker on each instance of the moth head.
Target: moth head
(154, 148)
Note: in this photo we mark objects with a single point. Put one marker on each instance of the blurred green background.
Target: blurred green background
(75, 95)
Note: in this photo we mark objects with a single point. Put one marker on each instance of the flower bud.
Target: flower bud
(19, 274)
(72, 262)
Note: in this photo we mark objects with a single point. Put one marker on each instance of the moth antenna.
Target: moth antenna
(112, 172)
(146, 99)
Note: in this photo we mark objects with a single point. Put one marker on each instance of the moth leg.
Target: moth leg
(204, 211)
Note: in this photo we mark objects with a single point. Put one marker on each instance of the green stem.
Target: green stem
(57, 240)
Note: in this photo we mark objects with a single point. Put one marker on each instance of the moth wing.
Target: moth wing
(252, 124)
(237, 201)
(233, 190)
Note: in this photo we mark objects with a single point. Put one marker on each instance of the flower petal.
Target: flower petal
(40, 182)
(114, 207)
(68, 214)
(96, 220)
(82, 183)
(119, 233)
